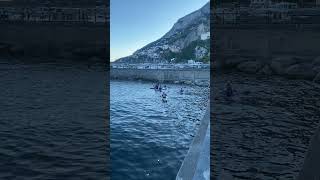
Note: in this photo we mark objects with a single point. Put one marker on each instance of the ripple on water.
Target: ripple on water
(52, 122)
(264, 133)
(149, 139)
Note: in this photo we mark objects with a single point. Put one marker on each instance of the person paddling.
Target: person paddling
(181, 91)
(229, 90)
(164, 97)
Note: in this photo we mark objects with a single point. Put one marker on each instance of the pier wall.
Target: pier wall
(62, 40)
(166, 75)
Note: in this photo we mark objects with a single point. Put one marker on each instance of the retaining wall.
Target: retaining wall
(166, 75)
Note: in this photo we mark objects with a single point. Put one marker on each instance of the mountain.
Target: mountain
(189, 38)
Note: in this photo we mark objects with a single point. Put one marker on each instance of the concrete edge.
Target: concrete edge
(310, 168)
(188, 168)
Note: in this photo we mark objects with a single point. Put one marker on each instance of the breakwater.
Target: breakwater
(197, 76)
(284, 50)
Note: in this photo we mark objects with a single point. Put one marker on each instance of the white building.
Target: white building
(260, 3)
(269, 4)
(191, 62)
(205, 36)
(285, 5)
(281, 11)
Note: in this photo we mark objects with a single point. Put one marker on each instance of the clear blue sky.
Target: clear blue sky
(135, 23)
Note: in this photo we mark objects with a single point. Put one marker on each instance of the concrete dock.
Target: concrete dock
(310, 169)
(196, 165)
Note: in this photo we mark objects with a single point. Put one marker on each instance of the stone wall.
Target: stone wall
(166, 75)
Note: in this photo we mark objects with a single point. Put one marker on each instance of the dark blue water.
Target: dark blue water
(149, 139)
(264, 133)
(53, 121)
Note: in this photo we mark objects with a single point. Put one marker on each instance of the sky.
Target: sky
(136, 23)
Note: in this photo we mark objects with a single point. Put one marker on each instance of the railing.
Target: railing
(55, 14)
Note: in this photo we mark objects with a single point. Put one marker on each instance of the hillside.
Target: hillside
(189, 38)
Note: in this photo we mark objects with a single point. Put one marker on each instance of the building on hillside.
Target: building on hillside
(260, 3)
(191, 61)
(300, 3)
(285, 5)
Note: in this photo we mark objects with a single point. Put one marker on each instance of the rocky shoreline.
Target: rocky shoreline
(292, 67)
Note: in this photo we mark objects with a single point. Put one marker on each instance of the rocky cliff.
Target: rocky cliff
(189, 38)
